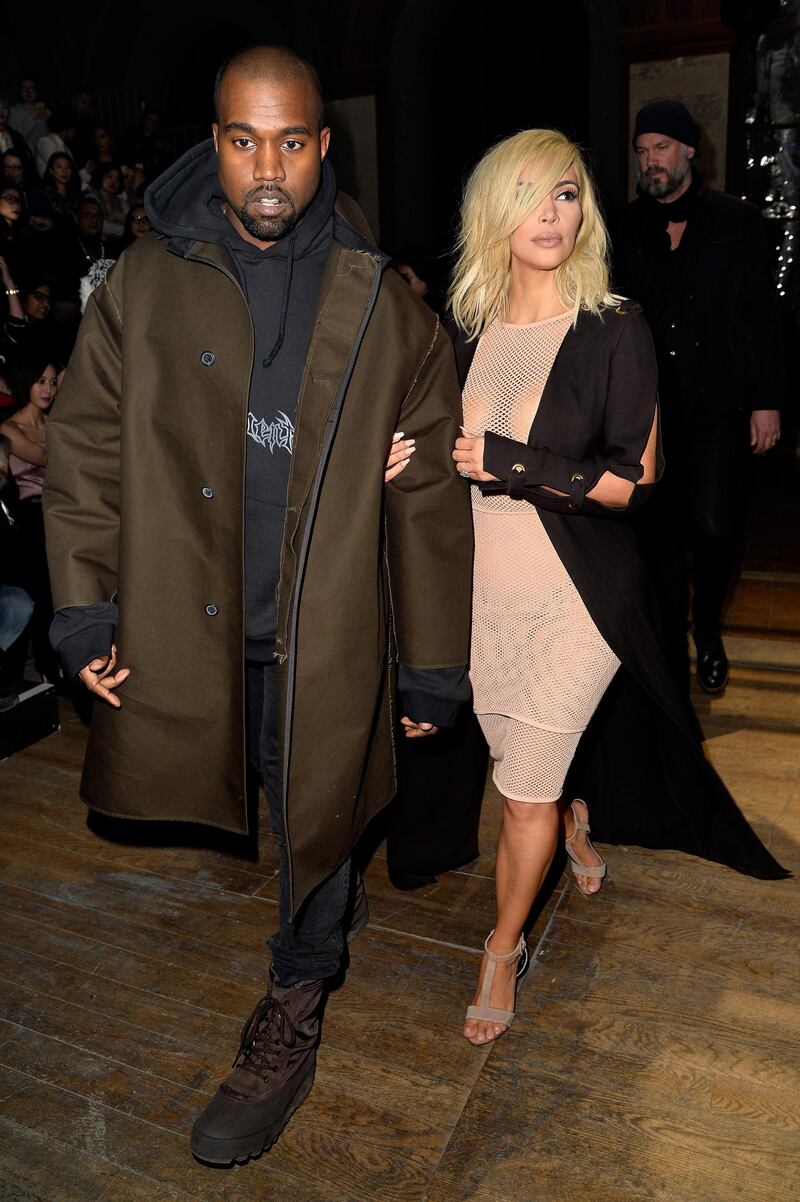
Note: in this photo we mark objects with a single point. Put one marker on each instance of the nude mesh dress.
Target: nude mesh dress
(539, 666)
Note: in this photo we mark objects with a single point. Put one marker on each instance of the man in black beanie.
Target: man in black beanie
(697, 261)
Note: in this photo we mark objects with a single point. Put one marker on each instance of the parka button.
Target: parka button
(208, 492)
(212, 611)
(207, 358)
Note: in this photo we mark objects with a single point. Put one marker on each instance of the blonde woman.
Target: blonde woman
(560, 441)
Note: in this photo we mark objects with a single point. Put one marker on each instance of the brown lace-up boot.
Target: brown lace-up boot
(272, 1075)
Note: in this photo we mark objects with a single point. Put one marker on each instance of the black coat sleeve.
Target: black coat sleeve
(525, 470)
(762, 318)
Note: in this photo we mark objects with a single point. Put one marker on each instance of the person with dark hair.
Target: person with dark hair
(61, 183)
(34, 383)
(107, 191)
(18, 172)
(82, 245)
(263, 310)
(137, 224)
(12, 235)
(12, 141)
(133, 183)
(61, 125)
(697, 261)
(101, 150)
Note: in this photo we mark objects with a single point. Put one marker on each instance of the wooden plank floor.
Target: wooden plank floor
(656, 1055)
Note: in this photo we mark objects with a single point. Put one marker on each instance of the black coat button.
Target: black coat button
(207, 358)
(212, 611)
(208, 492)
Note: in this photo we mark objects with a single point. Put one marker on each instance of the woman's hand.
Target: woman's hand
(468, 457)
(5, 274)
(399, 456)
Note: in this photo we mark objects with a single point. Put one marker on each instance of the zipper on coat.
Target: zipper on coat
(294, 613)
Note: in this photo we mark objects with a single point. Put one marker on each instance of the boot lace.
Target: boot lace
(268, 1028)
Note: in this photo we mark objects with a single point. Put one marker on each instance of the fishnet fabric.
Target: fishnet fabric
(539, 666)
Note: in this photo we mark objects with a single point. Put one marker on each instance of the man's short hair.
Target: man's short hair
(275, 63)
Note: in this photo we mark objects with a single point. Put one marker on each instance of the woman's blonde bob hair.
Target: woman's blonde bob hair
(495, 205)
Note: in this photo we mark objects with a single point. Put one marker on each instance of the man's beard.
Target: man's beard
(658, 185)
(264, 227)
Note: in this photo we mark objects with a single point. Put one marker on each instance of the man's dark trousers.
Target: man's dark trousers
(697, 513)
(312, 947)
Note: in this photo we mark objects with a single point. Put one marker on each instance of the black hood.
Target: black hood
(185, 203)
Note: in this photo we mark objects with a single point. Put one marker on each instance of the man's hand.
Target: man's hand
(418, 730)
(99, 677)
(765, 429)
(468, 457)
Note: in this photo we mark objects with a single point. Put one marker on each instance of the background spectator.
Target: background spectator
(100, 151)
(33, 382)
(10, 139)
(10, 227)
(133, 180)
(61, 184)
(61, 132)
(29, 115)
(137, 224)
(18, 170)
(107, 191)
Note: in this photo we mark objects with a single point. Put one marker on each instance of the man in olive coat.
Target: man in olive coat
(218, 523)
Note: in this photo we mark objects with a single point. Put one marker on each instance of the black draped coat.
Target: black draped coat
(639, 765)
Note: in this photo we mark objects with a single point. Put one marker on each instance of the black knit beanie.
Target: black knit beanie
(670, 118)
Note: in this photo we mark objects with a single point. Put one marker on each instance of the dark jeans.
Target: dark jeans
(312, 947)
(691, 531)
(33, 577)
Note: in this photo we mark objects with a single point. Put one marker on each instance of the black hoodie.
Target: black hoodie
(281, 286)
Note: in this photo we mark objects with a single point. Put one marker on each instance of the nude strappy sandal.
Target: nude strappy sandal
(483, 1012)
(597, 871)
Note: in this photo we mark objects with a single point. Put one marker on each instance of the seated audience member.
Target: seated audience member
(84, 244)
(16, 607)
(107, 191)
(11, 140)
(11, 228)
(61, 184)
(133, 182)
(61, 125)
(19, 172)
(101, 150)
(29, 115)
(137, 224)
(33, 382)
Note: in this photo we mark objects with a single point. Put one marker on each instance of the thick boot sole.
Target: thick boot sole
(222, 1153)
(716, 690)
